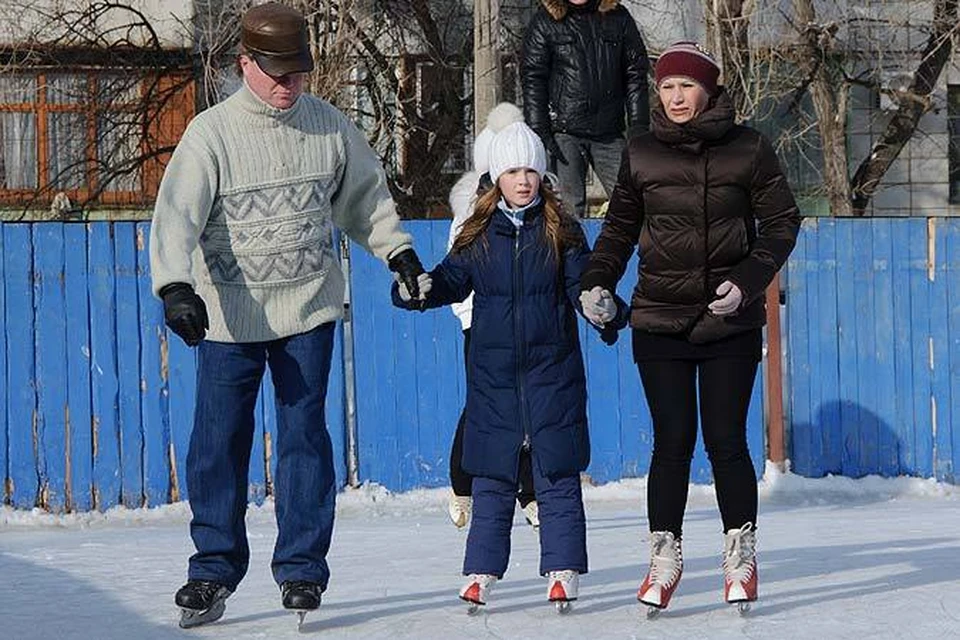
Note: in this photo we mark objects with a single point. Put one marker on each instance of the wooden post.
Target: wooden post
(486, 60)
(775, 440)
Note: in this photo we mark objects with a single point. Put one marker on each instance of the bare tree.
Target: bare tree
(817, 53)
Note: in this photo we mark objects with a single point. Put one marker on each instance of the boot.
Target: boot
(459, 509)
(563, 586)
(740, 564)
(666, 567)
(477, 588)
(300, 595)
(532, 513)
(201, 602)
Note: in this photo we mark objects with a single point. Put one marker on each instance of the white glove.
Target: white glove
(598, 304)
(728, 299)
(424, 281)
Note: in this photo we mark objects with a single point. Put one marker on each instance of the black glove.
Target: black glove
(609, 335)
(553, 149)
(185, 313)
(407, 265)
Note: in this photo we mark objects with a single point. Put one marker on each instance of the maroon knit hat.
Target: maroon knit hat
(690, 60)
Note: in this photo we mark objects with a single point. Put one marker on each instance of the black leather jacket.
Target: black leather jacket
(584, 71)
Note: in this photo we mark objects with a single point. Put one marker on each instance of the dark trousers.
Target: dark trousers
(580, 153)
(218, 462)
(460, 480)
(724, 386)
(563, 525)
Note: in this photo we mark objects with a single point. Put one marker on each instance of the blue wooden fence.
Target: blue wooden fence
(873, 334)
(97, 399)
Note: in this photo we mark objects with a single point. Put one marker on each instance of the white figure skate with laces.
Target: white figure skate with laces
(563, 587)
(666, 567)
(476, 591)
(740, 567)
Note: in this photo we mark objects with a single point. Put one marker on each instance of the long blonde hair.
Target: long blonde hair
(560, 228)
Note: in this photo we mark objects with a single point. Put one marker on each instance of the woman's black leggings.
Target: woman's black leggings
(724, 386)
(460, 480)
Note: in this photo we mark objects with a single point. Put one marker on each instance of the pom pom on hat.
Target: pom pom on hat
(500, 116)
(514, 147)
(690, 60)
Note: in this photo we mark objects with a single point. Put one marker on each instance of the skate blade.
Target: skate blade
(743, 607)
(563, 606)
(653, 612)
(301, 616)
(473, 608)
(195, 617)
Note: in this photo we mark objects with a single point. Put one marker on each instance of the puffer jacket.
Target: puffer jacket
(584, 71)
(525, 374)
(706, 202)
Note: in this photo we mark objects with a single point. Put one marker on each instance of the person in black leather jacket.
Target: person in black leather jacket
(584, 79)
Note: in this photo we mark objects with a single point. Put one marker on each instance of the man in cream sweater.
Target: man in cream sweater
(242, 255)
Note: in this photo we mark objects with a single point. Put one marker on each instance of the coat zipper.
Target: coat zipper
(518, 330)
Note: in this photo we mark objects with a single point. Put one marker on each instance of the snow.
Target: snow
(839, 558)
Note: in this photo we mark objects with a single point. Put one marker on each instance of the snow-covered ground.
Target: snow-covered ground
(839, 558)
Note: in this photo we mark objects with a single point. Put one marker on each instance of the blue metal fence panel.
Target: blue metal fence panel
(825, 368)
(20, 363)
(803, 432)
(920, 350)
(51, 358)
(951, 277)
(80, 433)
(885, 382)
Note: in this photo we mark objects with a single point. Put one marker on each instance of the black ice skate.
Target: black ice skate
(201, 602)
(301, 597)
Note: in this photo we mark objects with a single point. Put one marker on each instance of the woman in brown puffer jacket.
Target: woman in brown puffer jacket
(714, 218)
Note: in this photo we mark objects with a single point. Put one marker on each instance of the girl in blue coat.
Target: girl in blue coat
(522, 257)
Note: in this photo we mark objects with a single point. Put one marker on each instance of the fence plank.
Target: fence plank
(80, 478)
(128, 364)
(182, 384)
(51, 358)
(847, 248)
(20, 374)
(884, 384)
(866, 360)
(814, 345)
(940, 363)
(951, 279)
(903, 423)
(103, 372)
(799, 365)
(4, 420)
(920, 332)
(154, 390)
(336, 423)
(826, 381)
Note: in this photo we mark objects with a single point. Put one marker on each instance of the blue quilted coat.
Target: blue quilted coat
(525, 375)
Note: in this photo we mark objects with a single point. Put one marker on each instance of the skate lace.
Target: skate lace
(739, 554)
(565, 575)
(206, 590)
(665, 559)
(485, 580)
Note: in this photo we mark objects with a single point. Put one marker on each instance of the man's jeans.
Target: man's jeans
(604, 157)
(228, 380)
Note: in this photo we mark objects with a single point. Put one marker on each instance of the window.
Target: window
(96, 135)
(953, 129)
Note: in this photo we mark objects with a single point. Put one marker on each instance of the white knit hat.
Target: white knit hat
(500, 116)
(514, 147)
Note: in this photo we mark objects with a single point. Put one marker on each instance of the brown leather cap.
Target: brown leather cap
(275, 36)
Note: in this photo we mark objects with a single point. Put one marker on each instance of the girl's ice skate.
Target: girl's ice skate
(475, 592)
(459, 509)
(740, 567)
(532, 514)
(201, 602)
(563, 587)
(666, 567)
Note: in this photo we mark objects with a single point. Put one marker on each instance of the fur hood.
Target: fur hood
(558, 8)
